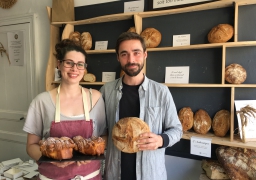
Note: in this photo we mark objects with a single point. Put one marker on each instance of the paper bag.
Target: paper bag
(63, 10)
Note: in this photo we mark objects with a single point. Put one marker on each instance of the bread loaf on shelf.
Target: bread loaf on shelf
(75, 36)
(89, 77)
(186, 117)
(132, 29)
(239, 164)
(125, 133)
(213, 169)
(221, 33)
(86, 41)
(235, 74)
(221, 123)
(202, 122)
(152, 37)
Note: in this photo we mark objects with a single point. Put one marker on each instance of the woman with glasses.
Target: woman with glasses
(68, 110)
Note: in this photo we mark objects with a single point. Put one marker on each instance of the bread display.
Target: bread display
(86, 41)
(132, 29)
(186, 117)
(75, 36)
(235, 74)
(202, 122)
(57, 148)
(213, 169)
(239, 164)
(221, 123)
(152, 37)
(126, 132)
(89, 77)
(221, 33)
(91, 146)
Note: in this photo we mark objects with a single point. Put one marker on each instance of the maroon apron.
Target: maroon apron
(70, 129)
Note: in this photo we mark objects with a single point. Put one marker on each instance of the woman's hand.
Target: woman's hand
(63, 164)
(149, 141)
(79, 163)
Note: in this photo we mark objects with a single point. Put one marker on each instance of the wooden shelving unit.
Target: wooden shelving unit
(231, 139)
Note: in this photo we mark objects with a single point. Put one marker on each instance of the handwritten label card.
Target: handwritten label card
(250, 129)
(108, 76)
(177, 74)
(166, 3)
(200, 146)
(101, 45)
(181, 40)
(134, 6)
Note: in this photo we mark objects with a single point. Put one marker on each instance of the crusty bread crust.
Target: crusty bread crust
(221, 123)
(186, 117)
(152, 37)
(221, 33)
(202, 122)
(126, 132)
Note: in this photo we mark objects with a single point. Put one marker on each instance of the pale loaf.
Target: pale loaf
(235, 74)
(213, 169)
(86, 41)
(125, 133)
(202, 122)
(239, 164)
(152, 37)
(221, 33)
(186, 116)
(89, 77)
(75, 36)
(132, 29)
(221, 123)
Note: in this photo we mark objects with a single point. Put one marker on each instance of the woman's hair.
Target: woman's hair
(129, 36)
(65, 46)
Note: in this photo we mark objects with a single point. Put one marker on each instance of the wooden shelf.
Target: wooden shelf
(221, 140)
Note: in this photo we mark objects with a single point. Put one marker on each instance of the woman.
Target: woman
(68, 110)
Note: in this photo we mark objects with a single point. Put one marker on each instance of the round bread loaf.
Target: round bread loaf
(152, 37)
(221, 123)
(221, 33)
(132, 29)
(89, 77)
(86, 40)
(235, 74)
(75, 36)
(186, 118)
(57, 148)
(126, 132)
(202, 122)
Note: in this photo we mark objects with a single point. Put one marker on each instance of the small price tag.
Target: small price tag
(108, 76)
(101, 45)
(200, 146)
(181, 40)
(134, 6)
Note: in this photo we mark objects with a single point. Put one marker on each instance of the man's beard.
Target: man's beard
(132, 72)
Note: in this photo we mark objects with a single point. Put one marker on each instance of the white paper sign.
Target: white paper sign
(101, 45)
(200, 146)
(181, 40)
(108, 76)
(166, 3)
(16, 48)
(250, 129)
(134, 6)
(177, 74)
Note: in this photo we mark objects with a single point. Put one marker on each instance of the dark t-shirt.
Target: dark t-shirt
(129, 107)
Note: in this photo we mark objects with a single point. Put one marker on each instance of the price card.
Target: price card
(134, 6)
(108, 76)
(181, 40)
(177, 74)
(200, 146)
(101, 45)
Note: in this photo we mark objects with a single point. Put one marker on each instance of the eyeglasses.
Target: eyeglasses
(69, 64)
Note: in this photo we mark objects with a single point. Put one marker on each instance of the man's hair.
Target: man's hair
(129, 36)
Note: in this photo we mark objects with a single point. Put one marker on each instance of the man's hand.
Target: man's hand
(149, 141)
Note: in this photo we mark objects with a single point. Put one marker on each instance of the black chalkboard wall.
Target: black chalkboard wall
(205, 64)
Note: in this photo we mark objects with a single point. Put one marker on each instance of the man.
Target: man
(134, 95)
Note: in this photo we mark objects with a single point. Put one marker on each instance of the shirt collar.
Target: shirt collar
(144, 85)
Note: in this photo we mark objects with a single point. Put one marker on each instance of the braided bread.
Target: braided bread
(92, 146)
(57, 148)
